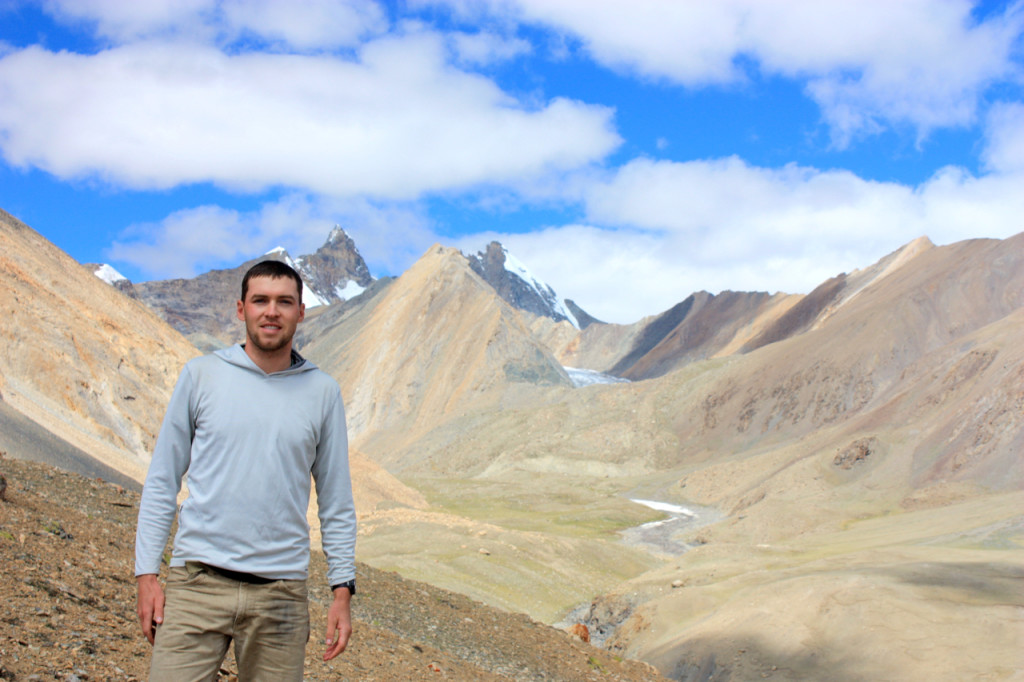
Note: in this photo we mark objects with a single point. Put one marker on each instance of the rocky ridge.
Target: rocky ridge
(203, 308)
(520, 289)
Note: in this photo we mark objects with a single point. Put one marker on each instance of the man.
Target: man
(249, 424)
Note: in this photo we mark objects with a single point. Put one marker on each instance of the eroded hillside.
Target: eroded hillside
(79, 357)
(892, 407)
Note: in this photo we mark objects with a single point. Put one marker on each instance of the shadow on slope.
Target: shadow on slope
(22, 438)
(739, 659)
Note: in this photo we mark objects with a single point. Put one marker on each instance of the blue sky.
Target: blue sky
(629, 153)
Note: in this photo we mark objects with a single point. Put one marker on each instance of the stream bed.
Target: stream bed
(666, 536)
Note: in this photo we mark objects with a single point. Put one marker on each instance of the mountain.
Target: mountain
(112, 277)
(78, 357)
(793, 481)
(874, 447)
(336, 272)
(203, 308)
(435, 342)
(705, 325)
(516, 285)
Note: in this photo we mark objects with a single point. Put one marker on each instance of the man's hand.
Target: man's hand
(151, 605)
(339, 623)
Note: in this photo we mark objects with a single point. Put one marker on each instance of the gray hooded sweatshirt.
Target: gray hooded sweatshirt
(249, 442)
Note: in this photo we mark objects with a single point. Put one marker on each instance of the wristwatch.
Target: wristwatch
(350, 584)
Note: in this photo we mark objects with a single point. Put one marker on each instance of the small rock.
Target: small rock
(580, 630)
(677, 583)
(485, 552)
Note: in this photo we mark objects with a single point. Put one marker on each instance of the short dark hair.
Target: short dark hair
(273, 269)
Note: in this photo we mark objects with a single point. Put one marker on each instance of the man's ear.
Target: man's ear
(241, 311)
(302, 312)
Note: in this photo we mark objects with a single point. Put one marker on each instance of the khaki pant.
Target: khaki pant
(206, 611)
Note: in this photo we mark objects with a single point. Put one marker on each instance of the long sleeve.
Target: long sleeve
(171, 458)
(334, 495)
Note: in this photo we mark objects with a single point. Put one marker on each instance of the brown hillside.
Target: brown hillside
(709, 330)
(437, 342)
(67, 604)
(897, 414)
(705, 325)
(77, 356)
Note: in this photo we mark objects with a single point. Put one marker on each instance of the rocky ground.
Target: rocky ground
(67, 605)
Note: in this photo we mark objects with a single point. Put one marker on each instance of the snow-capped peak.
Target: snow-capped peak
(546, 293)
(108, 274)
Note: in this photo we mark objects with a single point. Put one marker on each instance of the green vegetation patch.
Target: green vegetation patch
(545, 504)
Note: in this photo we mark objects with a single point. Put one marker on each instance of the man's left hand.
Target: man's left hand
(339, 623)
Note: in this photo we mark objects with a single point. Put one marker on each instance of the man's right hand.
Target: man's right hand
(151, 605)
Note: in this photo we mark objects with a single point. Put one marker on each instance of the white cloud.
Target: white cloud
(484, 48)
(1004, 151)
(188, 242)
(120, 20)
(395, 124)
(307, 24)
(299, 24)
(868, 65)
(662, 230)
(363, 138)
(617, 275)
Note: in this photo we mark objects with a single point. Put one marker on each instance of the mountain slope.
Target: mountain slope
(518, 287)
(897, 413)
(436, 342)
(67, 601)
(871, 464)
(705, 325)
(863, 467)
(77, 356)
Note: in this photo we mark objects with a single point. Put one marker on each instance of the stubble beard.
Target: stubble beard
(267, 347)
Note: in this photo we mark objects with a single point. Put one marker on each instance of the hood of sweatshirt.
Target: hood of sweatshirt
(236, 355)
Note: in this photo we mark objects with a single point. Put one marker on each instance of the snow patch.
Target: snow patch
(311, 298)
(588, 377)
(547, 294)
(348, 290)
(109, 275)
(665, 507)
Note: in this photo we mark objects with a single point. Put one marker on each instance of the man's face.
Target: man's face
(271, 311)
